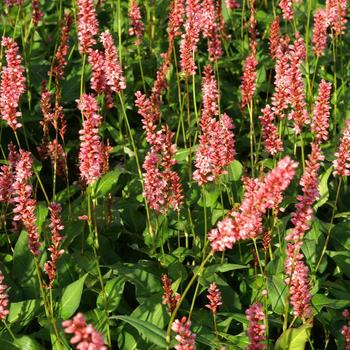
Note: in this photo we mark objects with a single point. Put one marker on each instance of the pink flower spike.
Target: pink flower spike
(186, 339)
(336, 15)
(298, 281)
(190, 38)
(12, 84)
(319, 38)
(281, 96)
(232, 4)
(87, 25)
(345, 331)
(272, 141)
(169, 297)
(136, 25)
(214, 297)
(342, 162)
(299, 113)
(176, 18)
(56, 238)
(4, 298)
(274, 37)
(248, 80)
(37, 14)
(256, 328)
(113, 70)
(163, 188)
(320, 122)
(246, 221)
(7, 175)
(301, 218)
(287, 8)
(85, 336)
(11, 3)
(25, 205)
(91, 153)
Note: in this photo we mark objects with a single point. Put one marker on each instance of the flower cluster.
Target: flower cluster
(87, 25)
(92, 151)
(342, 162)
(216, 145)
(345, 331)
(297, 97)
(25, 205)
(11, 3)
(336, 15)
(169, 297)
(136, 25)
(301, 218)
(113, 71)
(98, 81)
(186, 339)
(210, 25)
(215, 150)
(214, 297)
(272, 141)
(287, 8)
(298, 281)
(12, 84)
(333, 17)
(280, 98)
(85, 336)
(4, 298)
(256, 329)
(7, 175)
(56, 238)
(190, 38)
(274, 37)
(231, 4)
(162, 187)
(248, 80)
(319, 38)
(37, 14)
(60, 61)
(246, 222)
(176, 18)
(320, 122)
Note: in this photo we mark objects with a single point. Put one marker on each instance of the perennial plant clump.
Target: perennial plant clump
(174, 175)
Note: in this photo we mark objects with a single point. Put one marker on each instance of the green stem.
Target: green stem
(174, 313)
(330, 227)
(49, 315)
(82, 78)
(136, 159)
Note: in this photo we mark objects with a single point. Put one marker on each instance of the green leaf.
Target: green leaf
(293, 339)
(22, 313)
(277, 291)
(320, 301)
(112, 294)
(23, 268)
(106, 183)
(340, 236)
(209, 197)
(41, 214)
(152, 333)
(28, 343)
(323, 188)
(71, 296)
(342, 259)
(234, 171)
